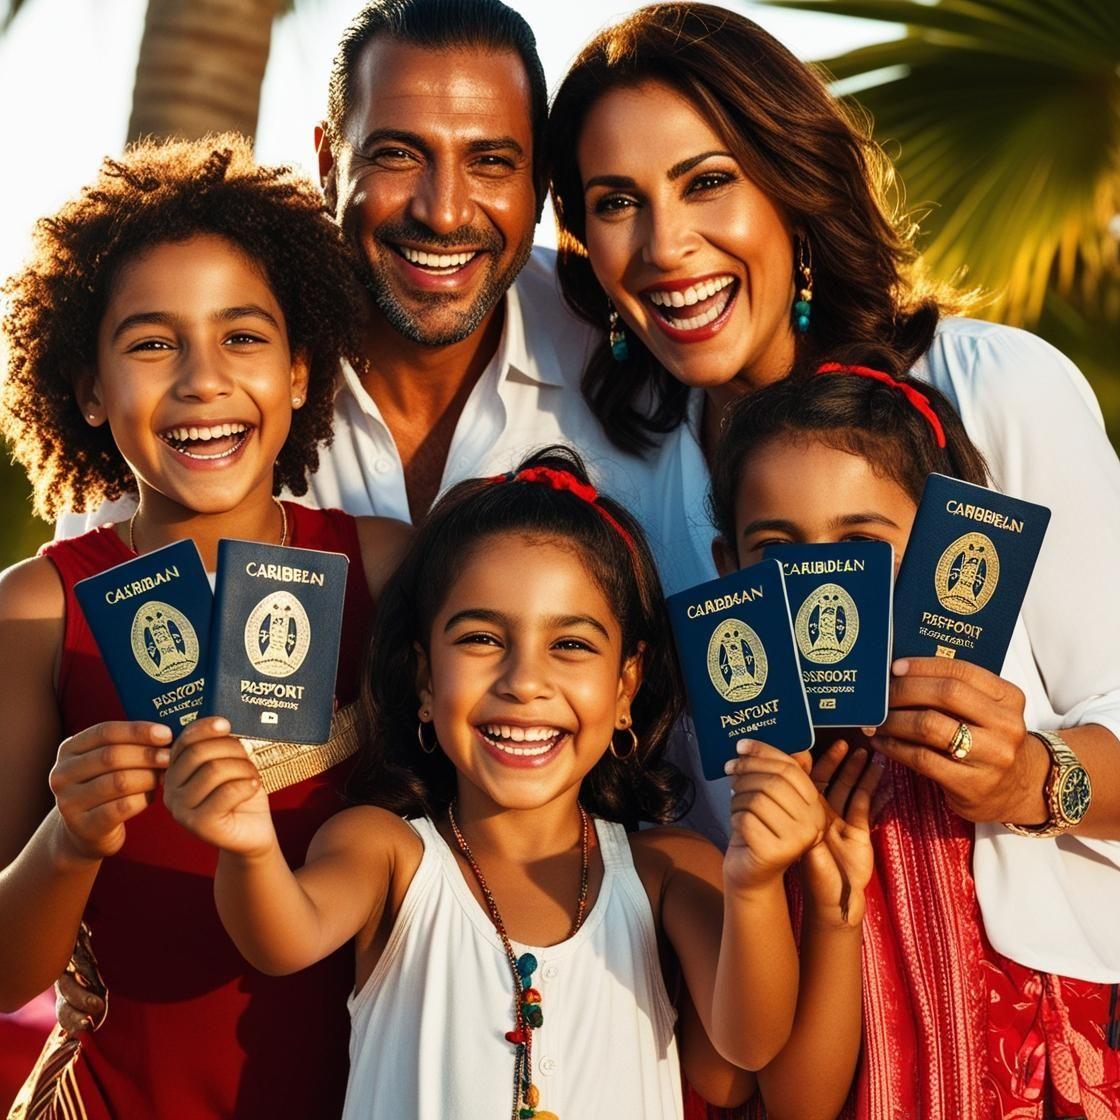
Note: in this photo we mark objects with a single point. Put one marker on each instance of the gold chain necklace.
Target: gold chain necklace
(279, 506)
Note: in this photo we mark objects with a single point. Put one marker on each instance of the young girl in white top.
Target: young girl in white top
(515, 944)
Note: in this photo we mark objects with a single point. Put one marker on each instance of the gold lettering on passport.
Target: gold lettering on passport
(139, 586)
(822, 567)
(967, 573)
(736, 661)
(987, 516)
(734, 599)
(163, 642)
(827, 625)
(284, 573)
(277, 634)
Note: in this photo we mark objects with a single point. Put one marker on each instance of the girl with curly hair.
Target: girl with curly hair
(176, 333)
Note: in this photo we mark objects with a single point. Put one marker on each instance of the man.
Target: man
(431, 158)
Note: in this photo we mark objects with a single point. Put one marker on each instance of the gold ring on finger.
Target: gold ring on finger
(961, 743)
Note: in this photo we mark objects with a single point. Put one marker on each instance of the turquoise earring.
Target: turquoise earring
(620, 347)
(802, 306)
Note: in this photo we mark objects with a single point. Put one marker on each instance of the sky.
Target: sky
(67, 67)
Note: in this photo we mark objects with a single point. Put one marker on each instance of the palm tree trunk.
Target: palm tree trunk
(201, 66)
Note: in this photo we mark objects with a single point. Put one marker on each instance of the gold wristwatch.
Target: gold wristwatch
(1068, 791)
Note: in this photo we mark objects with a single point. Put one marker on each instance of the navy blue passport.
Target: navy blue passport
(150, 618)
(840, 603)
(740, 665)
(963, 579)
(274, 640)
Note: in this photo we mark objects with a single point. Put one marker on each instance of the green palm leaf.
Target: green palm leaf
(1004, 120)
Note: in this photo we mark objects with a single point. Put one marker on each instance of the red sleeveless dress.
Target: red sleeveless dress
(193, 1031)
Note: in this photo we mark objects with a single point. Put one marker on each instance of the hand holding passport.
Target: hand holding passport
(754, 670)
(262, 650)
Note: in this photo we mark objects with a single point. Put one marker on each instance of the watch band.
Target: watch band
(1062, 761)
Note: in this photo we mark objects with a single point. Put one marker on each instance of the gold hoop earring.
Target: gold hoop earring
(629, 754)
(420, 737)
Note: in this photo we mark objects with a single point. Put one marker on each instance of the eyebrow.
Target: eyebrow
(682, 167)
(686, 165)
(170, 319)
(415, 140)
(498, 618)
(780, 526)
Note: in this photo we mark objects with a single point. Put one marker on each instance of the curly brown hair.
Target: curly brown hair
(161, 192)
(818, 164)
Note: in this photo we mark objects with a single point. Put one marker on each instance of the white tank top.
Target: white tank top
(427, 1036)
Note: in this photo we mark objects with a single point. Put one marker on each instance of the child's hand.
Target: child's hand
(836, 871)
(103, 777)
(213, 790)
(776, 815)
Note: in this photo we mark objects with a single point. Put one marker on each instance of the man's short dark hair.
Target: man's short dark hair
(438, 25)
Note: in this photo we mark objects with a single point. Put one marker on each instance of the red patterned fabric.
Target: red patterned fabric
(193, 1032)
(952, 1029)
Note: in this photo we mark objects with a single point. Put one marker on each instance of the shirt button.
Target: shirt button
(550, 972)
(548, 1065)
(382, 466)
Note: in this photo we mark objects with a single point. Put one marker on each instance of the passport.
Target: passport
(274, 640)
(840, 603)
(963, 579)
(740, 665)
(150, 618)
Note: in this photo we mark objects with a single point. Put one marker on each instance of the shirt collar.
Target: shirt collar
(541, 365)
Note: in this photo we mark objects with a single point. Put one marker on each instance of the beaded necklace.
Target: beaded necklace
(526, 999)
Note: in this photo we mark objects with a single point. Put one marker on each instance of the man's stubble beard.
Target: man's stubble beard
(411, 326)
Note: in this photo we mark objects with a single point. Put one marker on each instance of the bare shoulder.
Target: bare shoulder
(368, 827)
(667, 858)
(668, 847)
(383, 541)
(31, 589)
(366, 834)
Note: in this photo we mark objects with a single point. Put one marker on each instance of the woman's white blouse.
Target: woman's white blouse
(1050, 904)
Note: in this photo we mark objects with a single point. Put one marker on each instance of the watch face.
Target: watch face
(1073, 798)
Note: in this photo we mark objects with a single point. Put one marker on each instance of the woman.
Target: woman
(749, 230)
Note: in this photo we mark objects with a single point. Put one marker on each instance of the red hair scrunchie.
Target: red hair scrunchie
(565, 480)
(917, 399)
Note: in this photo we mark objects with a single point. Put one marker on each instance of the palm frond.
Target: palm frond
(1003, 117)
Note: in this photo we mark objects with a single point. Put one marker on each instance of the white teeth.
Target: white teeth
(685, 297)
(183, 435)
(446, 262)
(503, 736)
(708, 315)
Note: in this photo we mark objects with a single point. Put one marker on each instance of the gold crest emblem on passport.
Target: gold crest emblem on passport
(736, 661)
(967, 574)
(827, 625)
(163, 642)
(277, 635)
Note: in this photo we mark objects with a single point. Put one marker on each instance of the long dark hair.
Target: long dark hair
(392, 771)
(852, 413)
(796, 142)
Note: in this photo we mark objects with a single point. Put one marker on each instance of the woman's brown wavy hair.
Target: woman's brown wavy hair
(831, 182)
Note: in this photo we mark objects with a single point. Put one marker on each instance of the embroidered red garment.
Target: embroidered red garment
(952, 1029)
(193, 1031)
